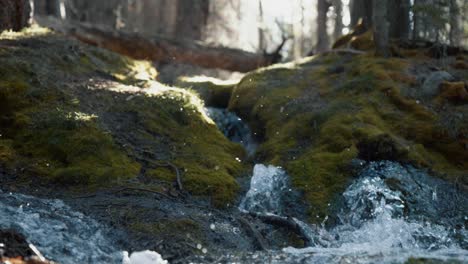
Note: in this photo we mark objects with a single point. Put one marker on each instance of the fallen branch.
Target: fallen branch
(260, 241)
(310, 234)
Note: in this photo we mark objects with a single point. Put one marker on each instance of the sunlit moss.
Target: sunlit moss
(205, 159)
(32, 31)
(49, 131)
(312, 120)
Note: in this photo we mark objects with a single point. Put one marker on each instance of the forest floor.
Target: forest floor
(96, 130)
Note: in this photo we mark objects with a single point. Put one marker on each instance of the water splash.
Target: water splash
(267, 188)
(61, 234)
(386, 220)
(233, 128)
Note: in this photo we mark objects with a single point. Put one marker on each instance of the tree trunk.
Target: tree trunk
(417, 20)
(456, 23)
(162, 49)
(323, 42)
(298, 37)
(338, 30)
(381, 25)
(192, 17)
(261, 33)
(399, 18)
(362, 10)
(15, 14)
(52, 8)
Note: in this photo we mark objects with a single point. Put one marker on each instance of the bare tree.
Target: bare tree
(380, 27)
(298, 32)
(361, 10)
(261, 33)
(323, 41)
(14, 14)
(338, 29)
(456, 23)
(192, 18)
(398, 12)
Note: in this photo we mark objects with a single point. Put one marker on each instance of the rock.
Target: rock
(430, 87)
(381, 147)
(14, 248)
(461, 65)
(454, 91)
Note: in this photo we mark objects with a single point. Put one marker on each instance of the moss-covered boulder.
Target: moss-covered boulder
(214, 92)
(314, 120)
(85, 118)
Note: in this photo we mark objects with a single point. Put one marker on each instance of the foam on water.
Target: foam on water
(267, 188)
(385, 225)
(60, 234)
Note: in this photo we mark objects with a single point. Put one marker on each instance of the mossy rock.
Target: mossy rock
(314, 122)
(70, 117)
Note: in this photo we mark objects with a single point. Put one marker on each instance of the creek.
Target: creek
(389, 214)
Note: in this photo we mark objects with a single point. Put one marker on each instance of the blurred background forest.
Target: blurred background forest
(261, 25)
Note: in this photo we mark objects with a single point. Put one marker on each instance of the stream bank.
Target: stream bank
(131, 155)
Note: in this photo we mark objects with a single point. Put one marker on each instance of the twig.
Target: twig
(178, 179)
(142, 190)
(260, 241)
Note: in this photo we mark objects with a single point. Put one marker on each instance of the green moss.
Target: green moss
(7, 154)
(311, 121)
(205, 158)
(49, 130)
(162, 173)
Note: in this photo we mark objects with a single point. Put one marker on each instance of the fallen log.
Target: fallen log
(162, 49)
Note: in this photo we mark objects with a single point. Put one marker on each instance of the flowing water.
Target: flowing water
(60, 233)
(394, 212)
(390, 213)
(267, 188)
(233, 128)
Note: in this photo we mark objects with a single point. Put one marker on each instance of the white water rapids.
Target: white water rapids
(378, 224)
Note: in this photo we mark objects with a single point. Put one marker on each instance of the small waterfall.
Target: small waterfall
(267, 188)
(60, 234)
(391, 215)
(233, 128)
